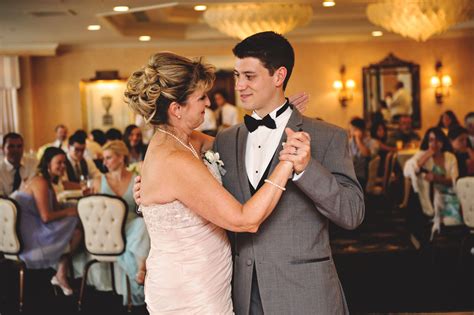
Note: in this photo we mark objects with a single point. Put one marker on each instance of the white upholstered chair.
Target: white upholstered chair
(465, 192)
(10, 241)
(103, 218)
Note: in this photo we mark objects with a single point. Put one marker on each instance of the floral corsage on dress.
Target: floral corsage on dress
(214, 164)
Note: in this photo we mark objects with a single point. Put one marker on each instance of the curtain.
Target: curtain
(9, 84)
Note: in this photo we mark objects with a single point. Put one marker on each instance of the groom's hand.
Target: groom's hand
(297, 149)
(136, 190)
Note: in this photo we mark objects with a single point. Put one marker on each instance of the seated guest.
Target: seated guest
(119, 182)
(404, 133)
(469, 125)
(113, 134)
(98, 136)
(447, 120)
(464, 155)
(77, 166)
(60, 141)
(93, 149)
(14, 167)
(47, 232)
(361, 148)
(435, 164)
(134, 141)
(378, 132)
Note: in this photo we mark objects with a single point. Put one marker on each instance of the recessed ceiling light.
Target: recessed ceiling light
(328, 4)
(377, 33)
(200, 7)
(93, 27)
(121, 8)
(144, 38)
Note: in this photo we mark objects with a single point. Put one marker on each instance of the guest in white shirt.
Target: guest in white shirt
(15, 168)
(226, 113)
(469, 125)
(77, 166)
(60, 141)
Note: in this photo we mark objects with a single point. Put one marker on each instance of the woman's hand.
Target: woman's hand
(297, 149)
(136, 190)
(300, 101)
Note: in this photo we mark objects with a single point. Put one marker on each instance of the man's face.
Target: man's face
(405, 124)
(219, 99)
(61, 134)
(253, 82)
(76, 151)
(13, 150)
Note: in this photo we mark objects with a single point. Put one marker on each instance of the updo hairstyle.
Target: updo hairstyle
(165, 79)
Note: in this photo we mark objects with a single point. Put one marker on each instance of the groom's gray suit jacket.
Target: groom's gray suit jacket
(291, 251)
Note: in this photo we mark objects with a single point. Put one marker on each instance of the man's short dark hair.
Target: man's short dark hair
(272, 49)
(10, 135)
(468, 116)
(59, 126)
(77, 138)
(359, 123)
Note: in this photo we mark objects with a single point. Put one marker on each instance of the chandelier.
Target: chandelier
(419, 19)
(241, 20)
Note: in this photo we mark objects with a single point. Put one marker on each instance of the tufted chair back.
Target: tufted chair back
(465, 192)
(10, 244)
(103, 219)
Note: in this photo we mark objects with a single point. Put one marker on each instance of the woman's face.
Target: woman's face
(57, 166)
(460, 143)
(380, 132)
(193, 112)
(112, 160)
(135, 137)
(446, 120)
(434, 143)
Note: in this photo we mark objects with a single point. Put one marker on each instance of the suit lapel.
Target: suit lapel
(242, 134)
(295, 122)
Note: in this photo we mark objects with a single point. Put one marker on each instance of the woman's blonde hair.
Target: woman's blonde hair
(118, 147)
(165, 79)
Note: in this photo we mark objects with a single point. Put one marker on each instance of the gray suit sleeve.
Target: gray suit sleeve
(332, 184)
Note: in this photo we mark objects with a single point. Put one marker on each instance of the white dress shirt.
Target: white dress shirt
(28, 167)
(230, 115)
(91, 168)
(262, 144)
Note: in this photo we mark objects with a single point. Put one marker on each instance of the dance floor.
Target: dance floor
(380, 269)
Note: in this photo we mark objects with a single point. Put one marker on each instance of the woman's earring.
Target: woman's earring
(179, 116)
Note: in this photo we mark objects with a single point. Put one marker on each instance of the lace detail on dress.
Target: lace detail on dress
(174, 215)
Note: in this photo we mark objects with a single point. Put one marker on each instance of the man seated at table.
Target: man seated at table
(60, 141)
(77, 166)
(404, 133)
(14, 168)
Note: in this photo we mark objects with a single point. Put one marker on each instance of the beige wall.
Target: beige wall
(51, 93)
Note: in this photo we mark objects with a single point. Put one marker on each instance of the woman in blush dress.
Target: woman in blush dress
(47, 231)
(186, 210)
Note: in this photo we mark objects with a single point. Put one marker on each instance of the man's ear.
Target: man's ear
(280, 76)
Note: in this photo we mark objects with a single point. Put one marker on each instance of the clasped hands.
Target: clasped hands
(296, 149)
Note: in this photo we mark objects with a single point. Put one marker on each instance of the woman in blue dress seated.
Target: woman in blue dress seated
(48, 232)
(118, 181)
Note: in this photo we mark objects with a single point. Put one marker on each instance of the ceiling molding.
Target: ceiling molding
(29, 49)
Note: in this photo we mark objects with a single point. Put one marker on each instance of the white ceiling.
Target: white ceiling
(39, 27)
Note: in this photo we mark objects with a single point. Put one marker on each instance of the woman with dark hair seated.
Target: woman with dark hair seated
(134, 140)
(464, 154)
(48, 232)
(436, 165)
(378, 133)
(447, 121)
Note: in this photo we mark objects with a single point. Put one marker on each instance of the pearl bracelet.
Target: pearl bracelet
(276, 185)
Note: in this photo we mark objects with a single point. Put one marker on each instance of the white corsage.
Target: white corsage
(214, 160)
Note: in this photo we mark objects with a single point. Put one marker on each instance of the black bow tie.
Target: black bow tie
(252, 124)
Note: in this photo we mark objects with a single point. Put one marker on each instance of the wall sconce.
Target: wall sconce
(344, 87)
(440, 83)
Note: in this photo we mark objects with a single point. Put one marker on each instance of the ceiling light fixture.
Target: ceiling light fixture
(241, 20)
(328, 4)
(121, 8)
(200, 7)
(419, 19)
(144, 38)
(377, 33)
(93, 27)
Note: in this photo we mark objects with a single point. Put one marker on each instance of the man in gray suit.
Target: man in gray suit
(286, 267)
